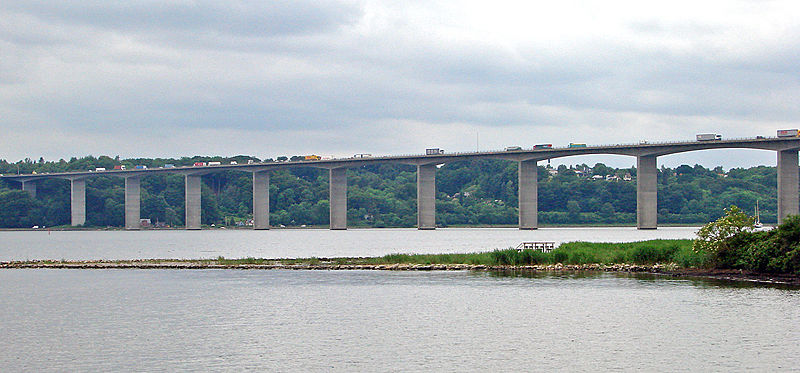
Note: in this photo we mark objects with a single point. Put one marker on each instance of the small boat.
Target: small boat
(757, 224)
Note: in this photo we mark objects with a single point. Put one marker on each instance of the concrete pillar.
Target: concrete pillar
(193, 201)
(338, 198)
(133, 198)
(426, 196)
(78, 201)
(528, 195)
(787, 184)
(261, 200)
(646, 192)
(30, 187)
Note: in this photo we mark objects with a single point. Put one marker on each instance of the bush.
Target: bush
(774, 251)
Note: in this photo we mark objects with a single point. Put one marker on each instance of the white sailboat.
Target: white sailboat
(757, 224)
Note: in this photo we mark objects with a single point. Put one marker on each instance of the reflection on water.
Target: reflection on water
(654, 278)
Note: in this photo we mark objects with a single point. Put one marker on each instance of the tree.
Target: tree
(715, 237)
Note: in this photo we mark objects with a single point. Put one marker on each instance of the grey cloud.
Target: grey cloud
(252, 18)
(298, 66)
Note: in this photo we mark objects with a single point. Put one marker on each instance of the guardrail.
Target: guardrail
(418, 155)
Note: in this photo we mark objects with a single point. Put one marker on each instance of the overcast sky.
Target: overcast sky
(269, 78)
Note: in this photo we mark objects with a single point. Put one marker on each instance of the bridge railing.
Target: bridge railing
(491, 151)
(561, 147)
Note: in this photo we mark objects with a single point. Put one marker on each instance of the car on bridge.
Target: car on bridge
(513, 148)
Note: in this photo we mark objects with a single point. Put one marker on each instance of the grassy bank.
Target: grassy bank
(643, 252)
(573, 253)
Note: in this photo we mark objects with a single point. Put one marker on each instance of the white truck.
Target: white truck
(708, 137)
(433, 151)
(788, 133)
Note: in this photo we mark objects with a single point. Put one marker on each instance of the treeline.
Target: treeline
(477, 192)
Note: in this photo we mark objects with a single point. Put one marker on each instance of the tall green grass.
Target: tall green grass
(642, 252)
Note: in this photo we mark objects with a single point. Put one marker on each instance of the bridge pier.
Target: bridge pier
(78, 201)
(261, 200)
(528, 195)
(133, 204)
(30, 187)
(338, 198)
(426, 196)
(193, 201)
(788, 178)
(646, 192)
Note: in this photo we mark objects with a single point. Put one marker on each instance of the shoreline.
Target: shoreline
(541, 226)
(658, 269)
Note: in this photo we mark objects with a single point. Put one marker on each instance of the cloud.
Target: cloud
(385, 77)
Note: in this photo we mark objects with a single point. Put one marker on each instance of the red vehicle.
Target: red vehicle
(200, 164)
(543, 146)
(119, 167)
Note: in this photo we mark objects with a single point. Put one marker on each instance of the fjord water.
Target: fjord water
(295, 243)
(284, 320)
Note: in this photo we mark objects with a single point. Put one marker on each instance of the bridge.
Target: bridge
(646, 183)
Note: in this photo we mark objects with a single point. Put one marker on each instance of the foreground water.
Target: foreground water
(294, 243)
(278, 320)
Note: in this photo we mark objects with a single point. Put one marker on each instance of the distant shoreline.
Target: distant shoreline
(278, 264)
(93, 229)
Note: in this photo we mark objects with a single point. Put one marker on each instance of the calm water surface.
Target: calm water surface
(279, 320)
(293, 243)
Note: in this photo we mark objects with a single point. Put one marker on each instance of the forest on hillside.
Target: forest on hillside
(477, 192)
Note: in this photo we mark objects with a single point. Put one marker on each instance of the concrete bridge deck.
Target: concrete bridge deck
(646, 154)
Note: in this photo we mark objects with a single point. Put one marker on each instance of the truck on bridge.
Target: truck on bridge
(434, 151)
(708, 137)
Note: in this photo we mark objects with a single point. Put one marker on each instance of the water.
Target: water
(281, 320)
(295, 243)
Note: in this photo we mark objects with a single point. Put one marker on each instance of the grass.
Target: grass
(643, 252)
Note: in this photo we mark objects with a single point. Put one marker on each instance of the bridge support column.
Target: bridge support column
(787, 184)
(528, 195)
(646, 192)
(78, 201)
(193, 201)
(426, 196)
(133, 205)
(261, 200)
(30, 187)
(338, 198)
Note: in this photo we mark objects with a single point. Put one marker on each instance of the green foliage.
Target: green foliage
(476, 192)
(730, 243)
(716, 239)
(644, 252)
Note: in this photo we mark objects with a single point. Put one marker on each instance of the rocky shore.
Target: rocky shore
(662, 269)
(166, 264)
